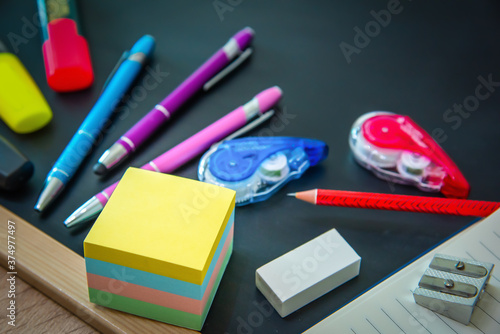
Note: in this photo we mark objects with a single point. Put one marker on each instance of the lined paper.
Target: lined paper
(390, 308)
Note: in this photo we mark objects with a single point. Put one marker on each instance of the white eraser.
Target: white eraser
(307, 272)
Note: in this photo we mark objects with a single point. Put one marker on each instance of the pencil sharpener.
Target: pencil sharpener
(257, 167)
(452, 286)
(396, 149)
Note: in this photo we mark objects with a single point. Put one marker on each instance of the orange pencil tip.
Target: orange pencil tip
(307, 196)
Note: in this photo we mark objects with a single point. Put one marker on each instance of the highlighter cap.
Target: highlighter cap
(67, 57)
(22, 106)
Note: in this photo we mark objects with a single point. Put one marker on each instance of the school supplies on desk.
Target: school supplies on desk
(65, 50)
(22, 105)
(257, 167)
(15, 168)
(390, 307)
(188, 149)
(204, 76)
(356, 199)
(81, 143)
(396, 149)
(171, 240)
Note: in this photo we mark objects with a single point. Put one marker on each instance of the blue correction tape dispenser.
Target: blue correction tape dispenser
(256, 167)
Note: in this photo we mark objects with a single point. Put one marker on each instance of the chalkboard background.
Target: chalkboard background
(334, 60)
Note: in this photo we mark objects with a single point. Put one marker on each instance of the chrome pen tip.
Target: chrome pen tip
(100, 169)
(39, 206)
(291, 194)
(110, 158)
(51, 189)
(84, 213)
(68, 222)
(72, 220)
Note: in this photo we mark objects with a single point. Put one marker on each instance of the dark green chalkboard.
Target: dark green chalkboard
(334, 60)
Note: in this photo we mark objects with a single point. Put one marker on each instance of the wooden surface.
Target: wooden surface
(59, 273)
(38, 314)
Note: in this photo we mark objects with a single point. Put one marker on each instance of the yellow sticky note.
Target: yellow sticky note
(162, 224)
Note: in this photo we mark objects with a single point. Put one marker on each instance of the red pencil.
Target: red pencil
(355, 199)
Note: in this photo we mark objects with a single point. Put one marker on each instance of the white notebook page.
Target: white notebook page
(390, 308)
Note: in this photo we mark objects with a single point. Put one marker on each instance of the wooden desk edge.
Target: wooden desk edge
(59, 273)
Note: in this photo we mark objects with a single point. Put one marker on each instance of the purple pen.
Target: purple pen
(162, 112)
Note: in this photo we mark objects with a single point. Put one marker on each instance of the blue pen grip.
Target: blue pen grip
(90, 129)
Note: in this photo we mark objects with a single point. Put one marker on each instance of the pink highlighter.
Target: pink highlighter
(65, 52)
(396, 149)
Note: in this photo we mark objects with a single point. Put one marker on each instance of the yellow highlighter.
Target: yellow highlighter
(22, 106)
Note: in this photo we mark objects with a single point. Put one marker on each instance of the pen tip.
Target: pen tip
(70, 221)
(100, 169)
(42, 203)
(51, 189)
(86, 212)
(291, 194)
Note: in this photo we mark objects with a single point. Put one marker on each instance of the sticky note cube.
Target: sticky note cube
(307, 272)
(160, 247)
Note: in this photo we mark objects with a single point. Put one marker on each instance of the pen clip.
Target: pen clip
(228, 69)
(122, 58)
(250, 126)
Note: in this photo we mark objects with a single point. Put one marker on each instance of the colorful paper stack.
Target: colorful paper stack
(160, 247)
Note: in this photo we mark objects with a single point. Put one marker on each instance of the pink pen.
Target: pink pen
(211, 69)
(187, 150)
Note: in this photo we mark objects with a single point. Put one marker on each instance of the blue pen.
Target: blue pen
(84, 138)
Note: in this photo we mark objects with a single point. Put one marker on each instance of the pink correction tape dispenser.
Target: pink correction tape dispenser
(396, 149)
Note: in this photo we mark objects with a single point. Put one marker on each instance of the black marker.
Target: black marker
(15, 168)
